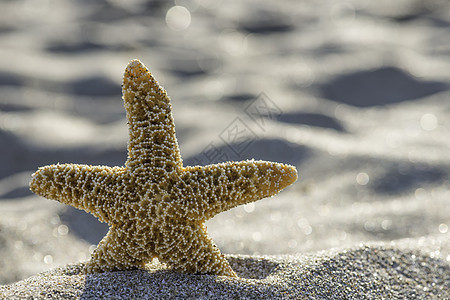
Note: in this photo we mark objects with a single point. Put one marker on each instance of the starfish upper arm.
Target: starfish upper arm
(153, 144)
(91, 188)
(224, 186)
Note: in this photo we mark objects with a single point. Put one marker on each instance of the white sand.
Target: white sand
(358, 93)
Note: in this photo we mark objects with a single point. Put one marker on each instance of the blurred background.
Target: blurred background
(354, 93)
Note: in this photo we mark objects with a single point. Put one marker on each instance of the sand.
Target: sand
(365, 272)
(355, 94)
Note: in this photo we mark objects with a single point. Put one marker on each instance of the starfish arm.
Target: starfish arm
(90, 188)
(112, 254)
(217, 188)
(152, 141)
(188, 249)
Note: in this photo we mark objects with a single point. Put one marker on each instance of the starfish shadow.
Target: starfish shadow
(251, 267)
(171, 285)
(165, 282)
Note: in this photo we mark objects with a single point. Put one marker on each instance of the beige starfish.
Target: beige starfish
(156, 207)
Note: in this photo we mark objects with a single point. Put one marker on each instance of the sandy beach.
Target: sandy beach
(355, 94)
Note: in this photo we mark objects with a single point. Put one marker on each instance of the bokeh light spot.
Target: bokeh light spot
(48, 259)
(443, 228)
(178, 18)
(362, 178)
(428, 122)
(249, 208)
(257, 236)
(292, 244)
(63, 229)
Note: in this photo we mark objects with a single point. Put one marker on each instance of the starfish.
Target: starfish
(156, 207)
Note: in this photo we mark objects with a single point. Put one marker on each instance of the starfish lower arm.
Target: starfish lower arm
(204, 256)
(111, 255)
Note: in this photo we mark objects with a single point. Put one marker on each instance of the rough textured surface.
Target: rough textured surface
(156, 207)
(365, 272)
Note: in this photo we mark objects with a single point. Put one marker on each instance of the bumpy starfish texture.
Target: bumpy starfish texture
(156, 208)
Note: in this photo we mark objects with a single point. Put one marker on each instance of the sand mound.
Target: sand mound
(367, 271)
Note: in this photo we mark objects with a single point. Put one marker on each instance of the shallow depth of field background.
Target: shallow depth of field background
(355, 94)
